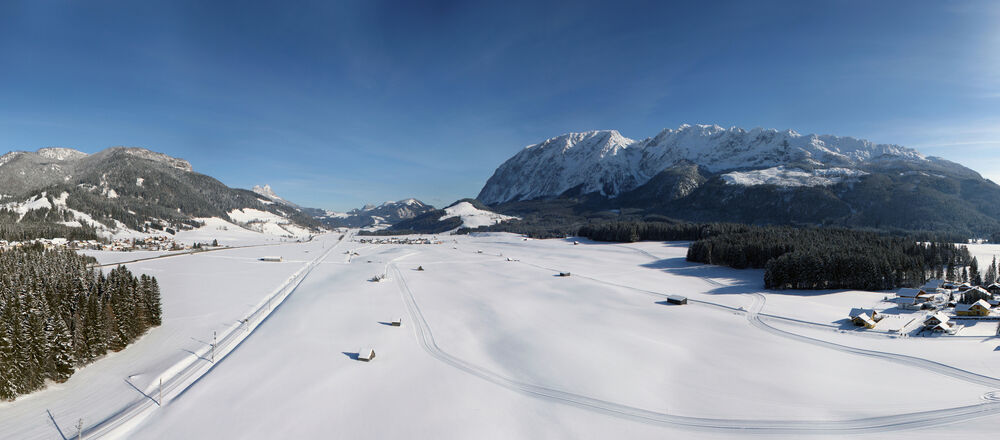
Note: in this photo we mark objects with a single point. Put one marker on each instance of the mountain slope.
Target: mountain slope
(124, 189)
(708, 173)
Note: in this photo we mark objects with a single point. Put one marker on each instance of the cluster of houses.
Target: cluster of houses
(398, 240)
(937, 296)
(156, 243)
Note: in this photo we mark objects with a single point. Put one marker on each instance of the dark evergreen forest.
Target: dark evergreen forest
(803, 258)
(57, 313)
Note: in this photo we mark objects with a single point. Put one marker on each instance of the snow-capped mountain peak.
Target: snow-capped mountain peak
(608, 163)
(58, 153)
(269, 193)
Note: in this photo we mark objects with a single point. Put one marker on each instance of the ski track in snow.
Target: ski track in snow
(120, 423)
(990, 404)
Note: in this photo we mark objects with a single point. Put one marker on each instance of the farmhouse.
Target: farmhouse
(865, 318)
(978, 308)
(936, 319)
(944, 327)
(994, 288)
(980, 291)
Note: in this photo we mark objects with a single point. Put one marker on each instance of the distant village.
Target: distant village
(157, 243)
(398, 240)
(949, 308)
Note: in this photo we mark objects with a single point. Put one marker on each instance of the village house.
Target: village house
(865, 317)
(993, 289)
(936, 319)
(978, 308)
(944, 327)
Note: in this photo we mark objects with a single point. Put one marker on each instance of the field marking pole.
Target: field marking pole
(160, 403)
(215, 341)
(79, 429)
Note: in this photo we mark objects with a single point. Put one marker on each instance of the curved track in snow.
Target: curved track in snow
(990, 402)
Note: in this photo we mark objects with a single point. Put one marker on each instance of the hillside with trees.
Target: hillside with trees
(58, 313)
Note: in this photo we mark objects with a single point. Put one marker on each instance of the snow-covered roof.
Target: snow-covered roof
(866, 319)
(907, 292)
(967, 307)
(933, 284)
(980, 290)
(907, 301)
(946, 326)
(856, 312)
(939, 316)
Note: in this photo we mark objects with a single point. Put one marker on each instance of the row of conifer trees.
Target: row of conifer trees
(58, 312)
(806, 258)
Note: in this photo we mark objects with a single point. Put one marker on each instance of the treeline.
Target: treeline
(804, 258)
(657, 231)
(57, 313)
(815, 258)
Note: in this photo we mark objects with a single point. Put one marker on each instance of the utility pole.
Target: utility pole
(215, 341)
(160, 403)
(79, 429)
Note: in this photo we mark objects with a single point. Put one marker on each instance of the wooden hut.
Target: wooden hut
(677, 299)
(366, 355)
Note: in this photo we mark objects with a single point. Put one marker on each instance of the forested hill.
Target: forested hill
(62, 192)
(57, 313)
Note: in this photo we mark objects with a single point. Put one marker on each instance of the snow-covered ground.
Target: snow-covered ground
(201, 293)
(495, 345)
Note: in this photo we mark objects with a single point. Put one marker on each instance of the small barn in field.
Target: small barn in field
(366, 355)
(396, 322)
(677, 299)
(978, 308)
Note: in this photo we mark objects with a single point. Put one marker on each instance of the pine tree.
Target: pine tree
(991, 273)
(974, 276)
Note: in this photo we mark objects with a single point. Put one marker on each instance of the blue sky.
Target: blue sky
(336, 104)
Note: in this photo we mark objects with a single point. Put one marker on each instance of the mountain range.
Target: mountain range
(760, 176)
(702, 173)
(372, 216)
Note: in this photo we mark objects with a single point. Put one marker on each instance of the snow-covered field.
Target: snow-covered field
(493, 344)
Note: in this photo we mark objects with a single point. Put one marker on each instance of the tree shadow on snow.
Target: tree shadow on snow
(196, 355)
(141, 392)
(58, 429)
